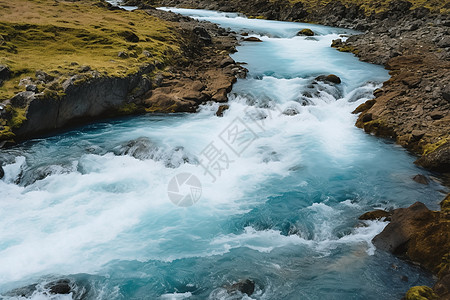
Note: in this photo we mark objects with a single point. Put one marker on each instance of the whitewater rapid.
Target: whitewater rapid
(279, 206)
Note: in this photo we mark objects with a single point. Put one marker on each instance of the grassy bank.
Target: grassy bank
(62, 37)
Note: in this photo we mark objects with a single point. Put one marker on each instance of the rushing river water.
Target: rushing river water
(284, 176)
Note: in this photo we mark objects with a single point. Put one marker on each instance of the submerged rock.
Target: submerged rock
(419, 178)
(141, 148)
(25, 291)
(246, 286)
(329, 79)
(62, 286)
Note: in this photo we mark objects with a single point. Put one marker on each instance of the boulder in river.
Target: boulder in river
(377, 214)
(252, 39)
(246, 286)
(438, 160)
(329, 79)
(2, 172)
(404, 223)
(419, 178)
(306, 31)
(221, 109)
(62, 286)
(419, 234)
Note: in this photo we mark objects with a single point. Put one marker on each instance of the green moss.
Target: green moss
(93, 38)
(421, 293)
(428, 148)
(257, 17)
(445, 204)
(444, 266)
(6, 134)
(347, 48)
(307, 32)
(17, 116)
(129, 108)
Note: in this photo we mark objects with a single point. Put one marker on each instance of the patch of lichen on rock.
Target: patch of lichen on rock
(428, 148)
(421, 293)
(55, 37)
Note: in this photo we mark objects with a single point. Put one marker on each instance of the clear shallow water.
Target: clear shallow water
(92, 206)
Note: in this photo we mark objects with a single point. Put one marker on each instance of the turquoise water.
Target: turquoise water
(280, 206)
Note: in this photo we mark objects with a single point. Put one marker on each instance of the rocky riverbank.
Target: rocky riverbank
(413, 107)
(422, 236)
(411, 40)
(164, 72)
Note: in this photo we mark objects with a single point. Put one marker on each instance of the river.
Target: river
(179, 206)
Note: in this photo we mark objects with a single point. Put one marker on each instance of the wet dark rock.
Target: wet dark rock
(337, 43)
(438, 160)
(62, 286)
(306, 32)
(2, 172)
(419, 178)
(141, 148)
(329, 79)
(252, 39)
(404, 223)
(25, 291)
(221, 109)
(246, 286)
(376, 215)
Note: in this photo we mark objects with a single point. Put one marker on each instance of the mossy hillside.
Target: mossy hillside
(59, 37)
(377, 6)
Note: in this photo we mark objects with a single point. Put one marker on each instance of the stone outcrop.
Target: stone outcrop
(422, 236)
(156, 87)
(413, 106)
